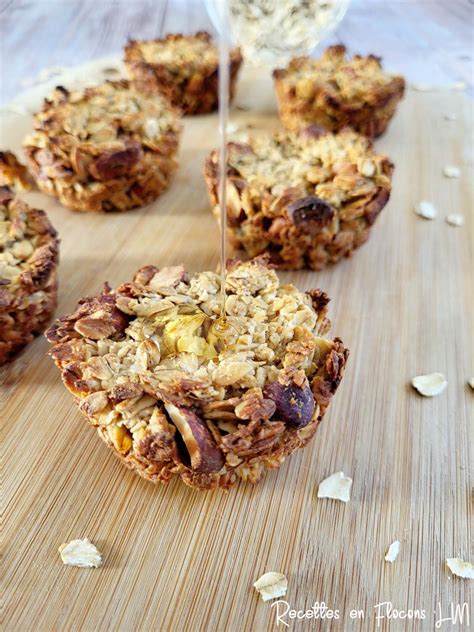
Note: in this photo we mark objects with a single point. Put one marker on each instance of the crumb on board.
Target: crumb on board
(81, 553)
(271, 585)
(337, 486)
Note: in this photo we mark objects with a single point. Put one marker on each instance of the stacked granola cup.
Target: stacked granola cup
(109, 148)
(174, 394)
(335, 92)
(182, 67)
(307, 199)
(29, 252)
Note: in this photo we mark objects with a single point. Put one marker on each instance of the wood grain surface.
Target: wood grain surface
(179, 560)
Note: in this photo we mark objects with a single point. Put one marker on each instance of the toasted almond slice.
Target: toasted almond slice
(393, 551)
(430, 385)
(459, 567)
(80, 553)
(450, 171)
(271, 585)
(426, 209)
(455, 219)
(336, 486)
(471, 383)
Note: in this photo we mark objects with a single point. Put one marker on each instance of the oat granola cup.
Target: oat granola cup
(306, 199)
(29, 252)
(335, 92)
(109, 148)
(174, 396)
(183, 67)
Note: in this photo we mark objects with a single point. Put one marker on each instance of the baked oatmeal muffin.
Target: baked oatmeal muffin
(13, 174)
(175, 394)
(308, 199)
(336, 92)
(183, 67)
(109, 148)
(29, 251)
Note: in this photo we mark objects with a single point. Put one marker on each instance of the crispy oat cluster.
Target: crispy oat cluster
(336, 92)
(28, 273)
(12, 173)
(175, 394)
(308, 199)
(109, 148)
(184, 67)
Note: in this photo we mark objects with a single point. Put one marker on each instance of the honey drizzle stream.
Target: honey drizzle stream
(221, 326)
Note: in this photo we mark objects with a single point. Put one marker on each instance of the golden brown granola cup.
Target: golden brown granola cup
(173, 394)
(29, 253)
(109, 148)
(183, 67)
(335, 92)
(306, 199)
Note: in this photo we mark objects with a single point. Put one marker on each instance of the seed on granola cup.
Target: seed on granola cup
(307, 199)
(172, 397)
(183, 67)
(109, 148)
(29, 251)
(335, 92)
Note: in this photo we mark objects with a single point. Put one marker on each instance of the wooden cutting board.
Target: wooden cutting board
(180, 560)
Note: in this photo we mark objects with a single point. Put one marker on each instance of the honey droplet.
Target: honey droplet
(224, 332)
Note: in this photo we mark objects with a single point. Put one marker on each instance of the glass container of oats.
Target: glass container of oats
(271, 32)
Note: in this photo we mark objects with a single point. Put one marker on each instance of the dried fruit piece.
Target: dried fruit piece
(271, 585)
(430, 384)
(337, 486)
(393, 551)
(114, 164)
(451, 172)
(311, 213)
(203, 451)
(458, 567)
(81, 553)
(455, 219)
(426, 209)
(294, 404)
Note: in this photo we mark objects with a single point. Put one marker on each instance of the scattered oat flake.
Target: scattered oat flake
(455, 219)
(460, 568)
(471, 383)
(232, 128)
(80, 553)
(393, 551)
(430, 385)
(426, 209)
(451, 172)
(422, 87)
(450, 117)
(336, 486)
(271, 585)
(458, 85)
